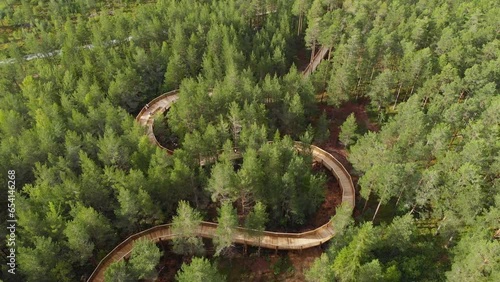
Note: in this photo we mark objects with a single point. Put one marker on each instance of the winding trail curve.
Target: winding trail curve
(270, 240)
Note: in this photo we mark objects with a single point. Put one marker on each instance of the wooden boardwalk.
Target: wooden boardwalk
(157, 106)
(318, 57)
(270, 240)
(163, 102)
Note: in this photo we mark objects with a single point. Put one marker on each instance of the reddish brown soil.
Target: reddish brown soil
(333, 198)
(263, 268)
(302, 261)
(249, 266)
(337, 116)
(169, 263)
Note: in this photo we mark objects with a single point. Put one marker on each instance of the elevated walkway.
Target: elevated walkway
(268, 239)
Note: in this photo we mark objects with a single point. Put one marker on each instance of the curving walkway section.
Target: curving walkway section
(158, 105)
(271, 240)
(268, 239)
(163, 102)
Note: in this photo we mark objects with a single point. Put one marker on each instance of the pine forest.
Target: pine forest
(250, 140)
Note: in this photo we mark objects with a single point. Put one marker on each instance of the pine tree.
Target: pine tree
(144, 259)
(118, 272)
(342, 218)
(227, 222)
(256, 221)
(300, 8)
(222, 183)
(45, 261)
(199, 270)
(321, 270)
(88, 232)
(348, 131)
(322, 132)
(185, 224)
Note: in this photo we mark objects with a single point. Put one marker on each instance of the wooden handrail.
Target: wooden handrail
(318, 57)
(242, 235)
(267, 239)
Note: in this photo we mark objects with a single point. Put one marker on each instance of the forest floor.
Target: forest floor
(269, 266)
(337, 116)
(333, 198)
(238, 266)
(363, 211)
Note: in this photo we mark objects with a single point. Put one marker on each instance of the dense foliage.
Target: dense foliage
(87, 176)
(430, 71)
(74, 73)
(200, 269)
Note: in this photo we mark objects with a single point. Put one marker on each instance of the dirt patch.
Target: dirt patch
(269, 266)
(337, 116)
(302, 261)
(333, 198)
(303, 57)
(169, 263)
(241, 266)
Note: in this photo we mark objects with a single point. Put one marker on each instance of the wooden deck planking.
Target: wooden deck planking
(271, 240)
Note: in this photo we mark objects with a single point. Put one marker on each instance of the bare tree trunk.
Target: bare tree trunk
(425, 101)
(356, 88)
(243, 200)
(453, 138)
(448, 243)
(258, 248)
(313, 50)
(246, 202)
(399, 197)
(412, 88)
(413, 208)
(366, 202)
(300, 23)
(378, 207)
(461, 96)
(397, 96)
(439, 227)
(371, 76)
(379, 204)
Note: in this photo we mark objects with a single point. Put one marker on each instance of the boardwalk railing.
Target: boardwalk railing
(267, 239)
(155, 106)
(344, 177)
(318, 57)
(154, 101)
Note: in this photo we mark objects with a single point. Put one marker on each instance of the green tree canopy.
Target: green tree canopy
(199, 270)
